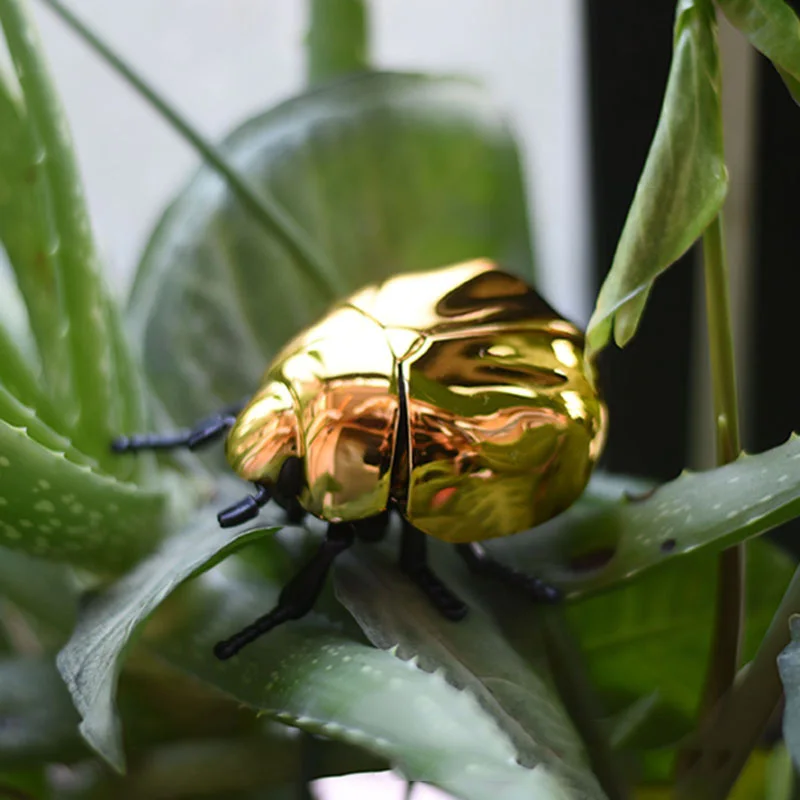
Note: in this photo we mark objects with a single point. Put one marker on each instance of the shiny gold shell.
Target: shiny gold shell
(458, 393)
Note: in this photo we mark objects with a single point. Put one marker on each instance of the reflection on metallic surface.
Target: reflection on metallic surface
(503, 425)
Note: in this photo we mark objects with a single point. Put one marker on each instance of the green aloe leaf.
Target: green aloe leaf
(38, 723)
(309, 675)
(615, 531)
(54, 502)
(682, 186)
(53, 253)
(773, 29)
(25, 241)
(384, 172)
(472, 655)
(91, 660)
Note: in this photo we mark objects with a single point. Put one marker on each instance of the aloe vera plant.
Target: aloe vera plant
(115, 579)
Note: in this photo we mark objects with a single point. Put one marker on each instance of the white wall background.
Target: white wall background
(221, 61)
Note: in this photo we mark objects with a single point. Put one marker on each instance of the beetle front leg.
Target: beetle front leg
(481, 563)
(204, 432)
(299, 595)
(414, 562)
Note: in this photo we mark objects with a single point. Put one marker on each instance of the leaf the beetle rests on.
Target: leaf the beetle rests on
(473, 655)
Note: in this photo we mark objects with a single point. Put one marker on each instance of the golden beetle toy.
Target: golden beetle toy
(457, 397)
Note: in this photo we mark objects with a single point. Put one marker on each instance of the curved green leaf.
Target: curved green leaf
(56, 504)
(91, 660)
(611, 536)
(308, 675)
(683, 183)
(473, 655)
(773, 29)
(385, 172)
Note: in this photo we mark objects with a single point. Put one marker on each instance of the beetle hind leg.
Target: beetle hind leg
(414, 563)
(204, 432)
(297, 598)
(481, 563)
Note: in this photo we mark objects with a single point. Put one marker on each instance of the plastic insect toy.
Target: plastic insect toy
(457, 397)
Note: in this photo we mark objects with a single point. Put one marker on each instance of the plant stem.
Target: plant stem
(263, 207)
(726, 739)
(337, 39)
(729, 616)
(729, 619)
(720, 336)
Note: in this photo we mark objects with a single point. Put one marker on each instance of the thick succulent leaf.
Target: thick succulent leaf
(385, 172)
(55, 503)
(773, 28)
(309, 675)
(37, 720)
(683, 183)
(651, 638)
(24, 239)
(646, 642)
(789, 669)
(610, 536)
(91, 660)
(103, 394)
(473, 655)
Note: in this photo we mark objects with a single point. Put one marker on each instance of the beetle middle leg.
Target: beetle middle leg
(414, 562)
(204, 432)
(481, 563)
(299, 595)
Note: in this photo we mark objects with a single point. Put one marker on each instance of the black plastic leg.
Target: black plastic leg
(290, 483)
(298, 596)
(245, 509)
(205, 432)
(373, 529)
(481, 563)
(414, 562)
